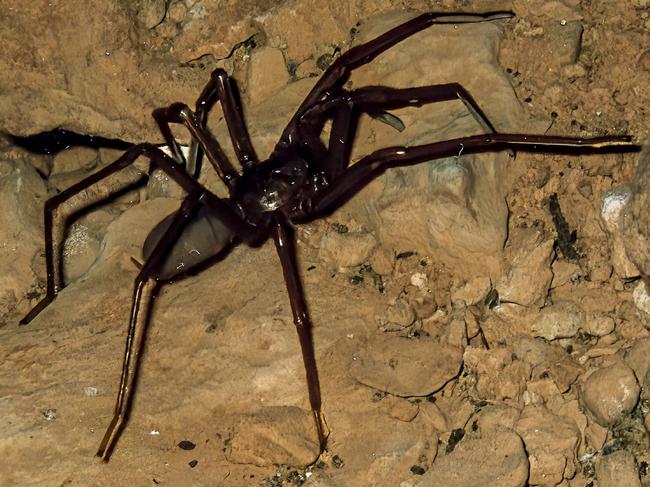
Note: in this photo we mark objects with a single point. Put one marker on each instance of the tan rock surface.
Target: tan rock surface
(221, 347)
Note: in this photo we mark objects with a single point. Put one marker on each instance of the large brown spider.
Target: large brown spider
(302, 180)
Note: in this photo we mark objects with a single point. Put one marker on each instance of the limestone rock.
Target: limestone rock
(551, 442)
(404, 366)
(453, 208)
(74, 159)
(400, 409)
(501, 456)
(560, 320)
(22, 195)
(527, 281)
(615, 205)
(634, 223)
(383, 453)
(549, 358)
(610, 392)
(642, 302)
(638, 358)
(346, 249)
(275, 435)
(398, 315)
(598, 324)
(499, 378)
(497, 416)
(473, 291)
(617, 469)
(267, 74)
(131, 55)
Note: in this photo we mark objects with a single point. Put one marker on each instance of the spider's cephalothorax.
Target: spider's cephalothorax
(280, 184)
(303, 179)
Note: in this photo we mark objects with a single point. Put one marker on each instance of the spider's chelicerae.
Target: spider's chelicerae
(303, 179)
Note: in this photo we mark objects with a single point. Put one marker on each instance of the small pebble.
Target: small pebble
(347, 249)
(473, 291)
(501, 456)
(599, 325)
(638, 358)
(193, 463)
(401, 409)
(417, 470)
(642, 302)
(90, 391)
(419, 279)
(186, 445)
(337, 461)
(49, 414)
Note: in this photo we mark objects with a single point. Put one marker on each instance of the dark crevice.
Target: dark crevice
(248, 44)
(59, 139)
(566, 238)
(164, 17)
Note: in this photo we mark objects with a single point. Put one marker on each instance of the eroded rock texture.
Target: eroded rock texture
(457, 341)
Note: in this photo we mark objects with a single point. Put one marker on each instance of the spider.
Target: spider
(302, 180)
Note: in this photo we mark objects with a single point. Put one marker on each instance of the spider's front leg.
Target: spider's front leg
(220, 88)
(338, 73)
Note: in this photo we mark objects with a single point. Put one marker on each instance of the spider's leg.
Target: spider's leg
(60, 207)
(85, 194)
(374, 99)
(165, 129)
(181, 113)
(285, 245)
(220, 88)
(380, 98)
(339, 71)
(145, 286)
(344, 125)
(372, 165)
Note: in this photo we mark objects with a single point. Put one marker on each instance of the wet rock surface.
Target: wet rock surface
(426, 289)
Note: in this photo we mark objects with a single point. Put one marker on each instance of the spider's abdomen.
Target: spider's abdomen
(201, 238)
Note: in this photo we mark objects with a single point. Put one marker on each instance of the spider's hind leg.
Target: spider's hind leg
(84, 194)
(145, 287)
